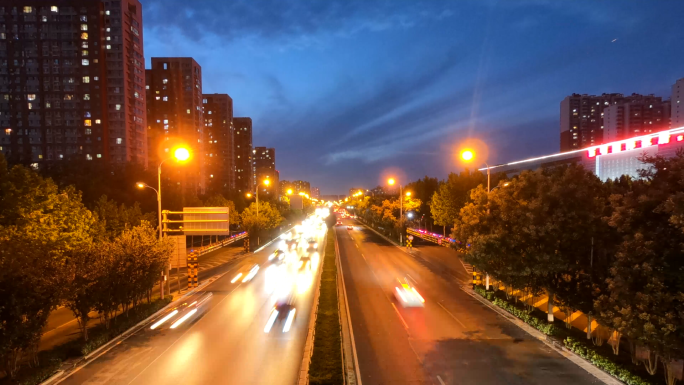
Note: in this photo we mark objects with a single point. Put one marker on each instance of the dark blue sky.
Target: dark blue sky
(347, 90)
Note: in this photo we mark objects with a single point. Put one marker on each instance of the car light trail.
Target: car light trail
(251, 274)
(166, 318)
(413, 289)
(183, 318)
(401, 295)
(271, 321)
(236, 278)
(288, 322)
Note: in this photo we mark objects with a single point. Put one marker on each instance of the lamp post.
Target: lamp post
(181, 154)
(468, 156)
(266, 183)
(391, 182)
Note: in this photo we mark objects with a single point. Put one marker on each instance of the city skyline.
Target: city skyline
(494, 71)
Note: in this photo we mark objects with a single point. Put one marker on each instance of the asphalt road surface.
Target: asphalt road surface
(224, 342)
(453, 339)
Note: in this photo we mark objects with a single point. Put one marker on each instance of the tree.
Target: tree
(452, 195)
(269, 217)
(424, 189)
(116, 218)
(218, 200)
(646, 283)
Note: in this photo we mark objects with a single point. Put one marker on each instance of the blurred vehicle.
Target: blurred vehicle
(191, 307)
(350, 227)
(304, 263)
(246, 273)
(312, 245)
(407, 295)
(278, 256)
(283, 311)
(339, 223)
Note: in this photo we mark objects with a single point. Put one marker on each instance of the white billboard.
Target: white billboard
(206, 221)
(179, 258)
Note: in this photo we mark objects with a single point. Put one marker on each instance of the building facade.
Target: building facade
(581, 118)
(263, 159)
(219, 132)
(677, 101)
(53, 86)
(125, 66)
(174, 116)
(622, 121)
(607, 161)
(302, 186)
(244, 181)
(315, 193)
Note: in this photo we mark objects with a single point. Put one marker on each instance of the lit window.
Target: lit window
(119, 140)
(86, 96)
(157, 98)
(84, 18)
(8, 131)
(30, 106)
(85, 62)
(87, 123)
(86, 79)
(97, 121)
(31, 97)
(147, 87)
(109, 46)
(188, 110)
(109, 29)
(88, 131)
(158, 121)
(89, 157)
(47, 105)
(209, 112)
(95, 78)
(118, 107)
(108, 38)
(84, 44)
(107, 12)
(43, 19)
(84, 36)
(84, 27)
(166, 121)
(165, 81)
(99, 155)
(61, 156)
(84, 52)
(40, 156)
(28, 9)
(166, 98)
(54, 8)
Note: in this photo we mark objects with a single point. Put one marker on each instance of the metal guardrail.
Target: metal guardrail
(209, 248)
(431, 237)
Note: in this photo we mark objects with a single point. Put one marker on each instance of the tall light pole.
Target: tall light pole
(180, 154)
(391, 182)
(266, 183)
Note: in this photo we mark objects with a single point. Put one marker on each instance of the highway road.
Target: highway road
(223, 343)
(453, 339)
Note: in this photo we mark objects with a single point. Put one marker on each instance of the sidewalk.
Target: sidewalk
(62, 327)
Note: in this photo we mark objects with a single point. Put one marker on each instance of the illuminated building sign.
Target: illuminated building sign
(664, 137)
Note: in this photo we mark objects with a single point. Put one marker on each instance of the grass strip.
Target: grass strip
(326, 361)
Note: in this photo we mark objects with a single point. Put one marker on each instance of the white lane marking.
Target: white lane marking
(364, 257)
(440, 380)
(400, 317)
(452, 316)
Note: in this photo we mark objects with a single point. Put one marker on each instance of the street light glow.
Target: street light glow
(467, 155)
(248, 195)
(182, 154)
(267, 182)
(391, 181)
(408, 194)
(289, 191)
(140, 185)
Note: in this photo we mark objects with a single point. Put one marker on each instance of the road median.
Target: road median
(326, 361)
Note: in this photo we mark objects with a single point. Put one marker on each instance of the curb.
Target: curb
(350, 359)
(308, 345)
(571, 356)
(62, 375)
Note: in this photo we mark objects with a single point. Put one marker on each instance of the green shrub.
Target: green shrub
(542, 325)
(604, 363)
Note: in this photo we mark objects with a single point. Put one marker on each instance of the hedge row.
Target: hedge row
(536, 322)
(604, 363)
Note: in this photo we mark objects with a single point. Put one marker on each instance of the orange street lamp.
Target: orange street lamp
(391, 182)
(468, 156)
(408, 194)
(289, 191)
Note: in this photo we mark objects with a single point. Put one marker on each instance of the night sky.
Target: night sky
(348, 91)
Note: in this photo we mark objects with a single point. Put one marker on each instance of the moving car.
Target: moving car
(278, 256)
(246, 273)
(350, 227)
(407, 295)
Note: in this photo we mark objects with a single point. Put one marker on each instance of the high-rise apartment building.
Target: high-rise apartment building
(315, 192)
(218, 126)
(125, 81)
(581, 118)
(677, 101)
(71, 81)
(174, 115)
(244, 181)
(286, 185)
(263, 160)
(626, 120)
(302, 186)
